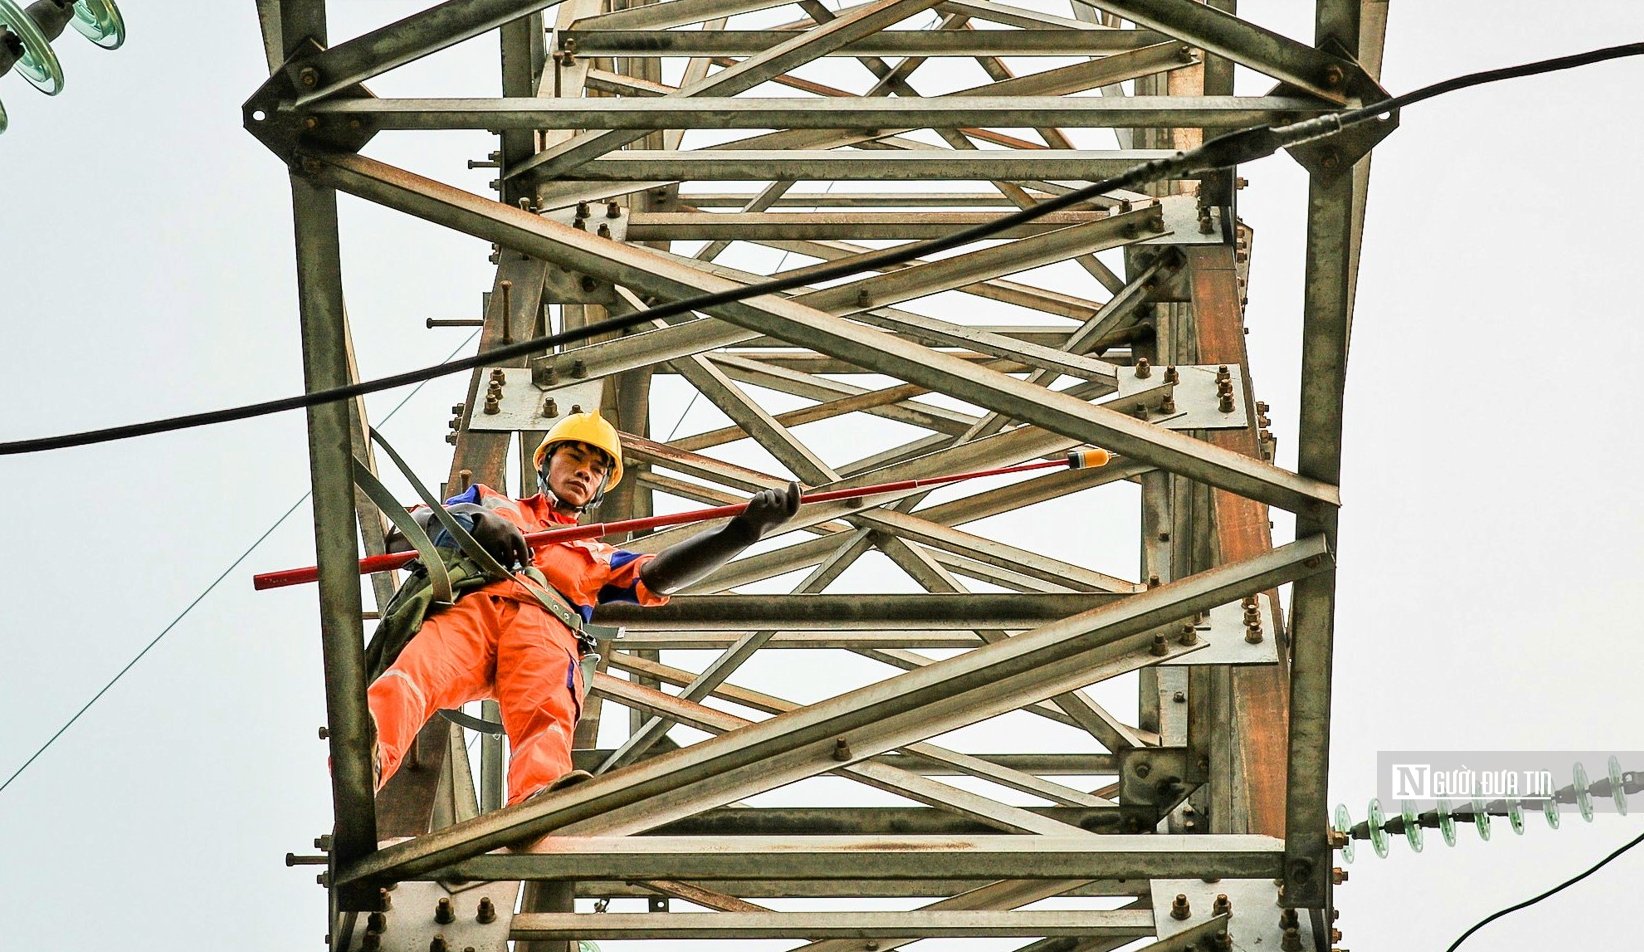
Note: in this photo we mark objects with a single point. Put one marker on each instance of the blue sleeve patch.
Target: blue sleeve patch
(587, 611)
(622, 557)
(472, 495)
(443, 537)
(613, 593)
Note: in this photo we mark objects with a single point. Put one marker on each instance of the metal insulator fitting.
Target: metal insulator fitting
(582, 209)
(1291, 942)
(550, 408)
(1160, 646)
(487, 911)
(613, 210)
(841, 749)
(604, 230)
(1180, 909)
(444, 914)
(1143, 368)
(1226, 404)
(1172, 375)
(1223, 906)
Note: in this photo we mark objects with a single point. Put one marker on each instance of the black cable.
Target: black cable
(1530, 902)
(1221, 152)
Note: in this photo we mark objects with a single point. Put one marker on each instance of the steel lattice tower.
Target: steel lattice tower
(643, 148)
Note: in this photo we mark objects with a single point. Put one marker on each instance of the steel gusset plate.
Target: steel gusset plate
(272, 116)
(1327, 158)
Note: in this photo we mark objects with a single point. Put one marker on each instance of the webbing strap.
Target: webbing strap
(549, 599)
(471, 722)
(438, 578)
(587, 665)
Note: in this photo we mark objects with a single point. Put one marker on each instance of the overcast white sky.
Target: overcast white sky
(1489, 560)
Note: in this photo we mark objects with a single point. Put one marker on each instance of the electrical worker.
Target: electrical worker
(523, 647)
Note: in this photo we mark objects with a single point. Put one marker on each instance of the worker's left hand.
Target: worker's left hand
(769, 509)
(502, 539)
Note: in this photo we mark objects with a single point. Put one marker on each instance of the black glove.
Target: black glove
(501, 538)
(695, 558)
(765, 512)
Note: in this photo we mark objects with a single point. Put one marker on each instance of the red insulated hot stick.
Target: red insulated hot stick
(1076, 459)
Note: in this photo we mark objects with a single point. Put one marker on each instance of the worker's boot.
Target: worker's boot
(570, 779)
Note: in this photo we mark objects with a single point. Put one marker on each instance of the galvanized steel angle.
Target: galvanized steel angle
(880, 717)
(869, 18)
(480, 916)
(272, 116)
(1252, 919)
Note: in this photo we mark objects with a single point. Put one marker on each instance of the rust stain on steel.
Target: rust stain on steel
(1261, 693)
(922, 845)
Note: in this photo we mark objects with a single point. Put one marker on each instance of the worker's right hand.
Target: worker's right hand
(767, 510)
(502, 539)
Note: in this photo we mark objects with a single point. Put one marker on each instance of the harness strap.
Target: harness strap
(532, 581)
(438, 577)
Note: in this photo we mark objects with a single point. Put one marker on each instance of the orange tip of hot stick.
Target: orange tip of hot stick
(1087, 459)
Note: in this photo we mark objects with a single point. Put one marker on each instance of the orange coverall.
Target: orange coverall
(497, 642)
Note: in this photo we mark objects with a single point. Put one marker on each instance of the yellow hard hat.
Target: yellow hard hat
(590, 428)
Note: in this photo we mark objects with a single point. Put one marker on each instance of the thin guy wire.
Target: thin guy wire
(201, 597)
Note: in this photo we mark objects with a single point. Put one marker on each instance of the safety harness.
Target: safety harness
(443, 574)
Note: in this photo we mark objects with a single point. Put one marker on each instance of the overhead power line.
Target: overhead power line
(1220, 152)
(1560, 887)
